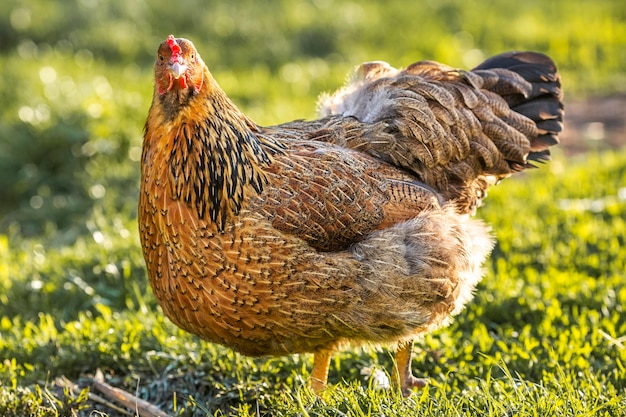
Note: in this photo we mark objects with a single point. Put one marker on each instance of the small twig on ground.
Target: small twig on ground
(619, 342)
(109, 404)
(128, 400)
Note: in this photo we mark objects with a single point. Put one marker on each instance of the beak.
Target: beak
(177, 69)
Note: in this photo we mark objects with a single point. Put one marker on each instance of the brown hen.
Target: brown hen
(351, 228)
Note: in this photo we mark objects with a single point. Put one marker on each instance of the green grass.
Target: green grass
(545, 335)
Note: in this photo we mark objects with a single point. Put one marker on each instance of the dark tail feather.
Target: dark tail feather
(541, 101)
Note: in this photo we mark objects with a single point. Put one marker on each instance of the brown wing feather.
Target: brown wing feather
(332, 197)
(457, 130)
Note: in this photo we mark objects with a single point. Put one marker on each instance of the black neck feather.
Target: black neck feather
(216, 161)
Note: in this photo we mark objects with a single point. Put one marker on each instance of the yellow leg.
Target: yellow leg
(319, 373)
(403, 375)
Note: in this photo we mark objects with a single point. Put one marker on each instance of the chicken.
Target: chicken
(353, 228)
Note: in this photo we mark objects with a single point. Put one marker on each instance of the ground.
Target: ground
(594, 123)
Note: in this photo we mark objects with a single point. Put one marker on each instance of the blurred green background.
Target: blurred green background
(76, 76)
(76, 85)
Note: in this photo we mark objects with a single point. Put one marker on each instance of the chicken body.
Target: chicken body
(351, 228)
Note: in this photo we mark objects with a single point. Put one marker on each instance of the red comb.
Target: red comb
(174, 47)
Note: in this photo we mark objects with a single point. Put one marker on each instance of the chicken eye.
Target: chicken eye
(161, 58)
(192, 56)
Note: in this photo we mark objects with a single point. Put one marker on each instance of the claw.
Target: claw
(403, 377)
(412, 382)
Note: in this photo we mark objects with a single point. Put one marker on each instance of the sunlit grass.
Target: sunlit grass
(545, 334)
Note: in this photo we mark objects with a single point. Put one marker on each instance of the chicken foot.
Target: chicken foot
(403, 376)
(319, 373)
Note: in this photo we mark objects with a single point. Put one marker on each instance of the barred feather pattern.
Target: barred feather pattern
(214, 163)
(458, 131)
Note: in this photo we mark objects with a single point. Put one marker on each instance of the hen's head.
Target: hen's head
(178, 67)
